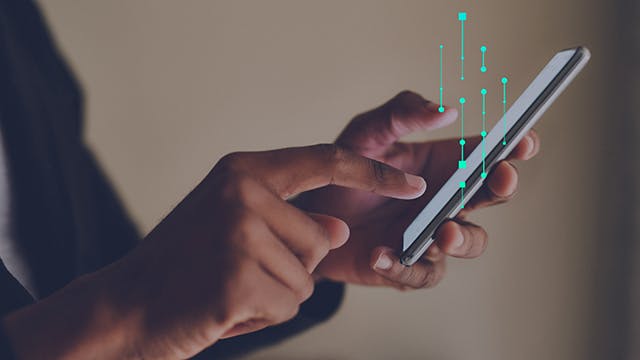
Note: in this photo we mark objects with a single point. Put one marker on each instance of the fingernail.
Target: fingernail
(459, 240)
(433, 107)
(433, 251)
(530, 144)
(416, 182)
(532, 138)
(384, 262)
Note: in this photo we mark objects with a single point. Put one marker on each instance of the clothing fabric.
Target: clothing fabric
(65, 216)
(10, 251)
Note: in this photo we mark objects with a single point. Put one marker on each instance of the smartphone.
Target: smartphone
(498, 143)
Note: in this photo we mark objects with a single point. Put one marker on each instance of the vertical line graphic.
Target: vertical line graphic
(504, 110)
(462, 163)
(483, 92)
(462, 17)
(483, 67)
(463, 184)
(441, 108)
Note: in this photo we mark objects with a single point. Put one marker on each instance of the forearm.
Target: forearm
(77, 322)
(320, 307)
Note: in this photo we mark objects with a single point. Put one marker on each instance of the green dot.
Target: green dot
(483, 69)
(462, 100)
(441, 46)
(483, 175)
(483, 134)
(504, 142)
(483, 91)
(504, 80)
(462, 142)
(483, 48)
(441, 109)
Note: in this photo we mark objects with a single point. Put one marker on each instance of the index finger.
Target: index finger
(291, 171)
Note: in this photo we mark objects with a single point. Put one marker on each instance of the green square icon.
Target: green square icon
(462, 16)
(463, 184)
(462, 164)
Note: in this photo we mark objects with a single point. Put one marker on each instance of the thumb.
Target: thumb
(372, 132)
(337, 229)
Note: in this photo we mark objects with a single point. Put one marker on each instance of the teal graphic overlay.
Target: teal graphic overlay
(462, 163)
(441, 108)
(462, 17)
(504, 109)
(483, 92)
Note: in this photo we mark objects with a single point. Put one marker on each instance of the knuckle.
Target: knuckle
(407, 95)
(246, 226)
(228, 181)
(287, 308)
(230, 162)
(379, 171)
(476, 240)
(410, 277)
(333, 155)
(245, 190)
(305, 290)
(318, 251)
(428, 279)
(406, 102)
(399, 274)
(291, 313)
(328, 152)
(413, 278)
(482, 242)
(242, 190)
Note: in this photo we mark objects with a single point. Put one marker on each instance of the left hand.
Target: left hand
(376, 223)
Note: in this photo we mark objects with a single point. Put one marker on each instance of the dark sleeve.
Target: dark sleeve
(324, 302)
(12, 297)
(5, 349)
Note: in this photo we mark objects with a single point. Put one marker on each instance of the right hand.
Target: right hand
(234, 256)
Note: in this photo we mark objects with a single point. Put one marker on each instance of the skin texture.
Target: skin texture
(233, 257)
(377, 223)
(236, 256)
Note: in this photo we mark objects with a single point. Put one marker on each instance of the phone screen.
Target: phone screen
(498, 143)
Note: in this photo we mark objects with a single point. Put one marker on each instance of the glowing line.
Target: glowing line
(483, 50)
(483, 92)
(441, 108)
(504, 109)
(462, 16)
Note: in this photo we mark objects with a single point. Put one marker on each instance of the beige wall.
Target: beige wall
(173, 85)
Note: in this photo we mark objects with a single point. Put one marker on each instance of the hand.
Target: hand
(370, 256)
(231, 258)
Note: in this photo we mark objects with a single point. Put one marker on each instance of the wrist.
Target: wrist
(75, 322)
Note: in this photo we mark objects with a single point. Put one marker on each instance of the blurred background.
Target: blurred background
(171, 86)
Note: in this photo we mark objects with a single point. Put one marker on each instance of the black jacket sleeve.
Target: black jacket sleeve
(12, 296)
(5, 349)
(57, 185)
